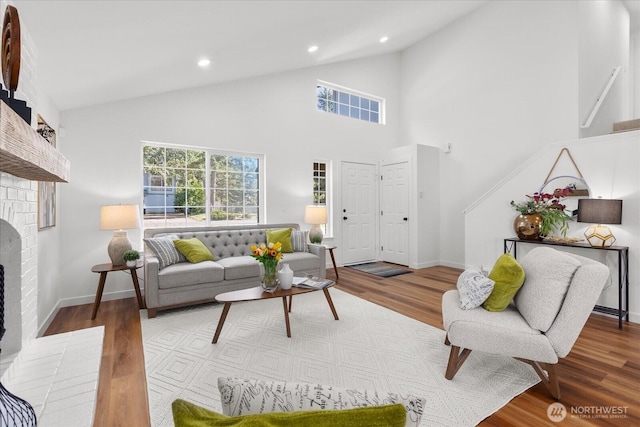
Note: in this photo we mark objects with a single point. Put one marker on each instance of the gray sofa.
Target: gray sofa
(233, 268)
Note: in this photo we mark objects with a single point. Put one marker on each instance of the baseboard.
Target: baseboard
(452, 265)
(88, 299)
(425, 264)
(47, 321)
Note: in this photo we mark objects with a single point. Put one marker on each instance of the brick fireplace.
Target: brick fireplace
(18, 254)
(18, 227)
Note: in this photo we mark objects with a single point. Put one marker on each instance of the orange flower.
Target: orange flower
(267, 253)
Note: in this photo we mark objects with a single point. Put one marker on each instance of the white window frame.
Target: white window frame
(381, 101)
(261, 217)
(327, 229)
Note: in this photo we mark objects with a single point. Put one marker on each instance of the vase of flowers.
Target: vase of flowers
(542, 214)
(268, 255)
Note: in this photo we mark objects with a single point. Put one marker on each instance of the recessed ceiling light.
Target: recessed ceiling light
(384, 39)
(204, 62)
(312, 49)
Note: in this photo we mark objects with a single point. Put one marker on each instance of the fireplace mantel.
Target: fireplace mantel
(25, 154)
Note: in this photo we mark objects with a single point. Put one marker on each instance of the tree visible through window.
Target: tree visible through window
(234, 188)
(349, 103)
(320, 190)
(319, 183)
(192, 187)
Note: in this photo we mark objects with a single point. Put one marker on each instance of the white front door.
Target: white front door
(394, 219)
(358, 213)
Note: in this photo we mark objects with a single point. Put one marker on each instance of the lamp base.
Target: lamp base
(599, 236)
(315, 234)
(118, 245)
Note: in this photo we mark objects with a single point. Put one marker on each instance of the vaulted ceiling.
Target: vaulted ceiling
(97, 51)
(92, 52)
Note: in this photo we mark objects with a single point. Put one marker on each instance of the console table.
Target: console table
(511, 246)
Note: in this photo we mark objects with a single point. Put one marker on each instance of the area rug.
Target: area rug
(369, 348)
(379, 269)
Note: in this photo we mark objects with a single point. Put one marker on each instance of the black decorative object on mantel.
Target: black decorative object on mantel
(20, 107)
(13, 410)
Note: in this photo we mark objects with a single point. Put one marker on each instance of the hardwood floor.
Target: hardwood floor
(602, 371)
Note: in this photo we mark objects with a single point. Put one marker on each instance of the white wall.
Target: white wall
(634, 66)
(610, 165)
(49, 239)
(274, 115)
(497, 84)
(604, 45)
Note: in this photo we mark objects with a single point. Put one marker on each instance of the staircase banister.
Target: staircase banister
(601, 98)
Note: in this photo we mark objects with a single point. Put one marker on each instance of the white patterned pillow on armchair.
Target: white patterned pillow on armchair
(474, 288)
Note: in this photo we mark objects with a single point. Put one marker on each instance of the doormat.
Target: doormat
(379, 269)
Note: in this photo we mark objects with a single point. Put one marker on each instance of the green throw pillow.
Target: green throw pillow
(282, 235)
(509, 277)
(187, 414)
(193, 249)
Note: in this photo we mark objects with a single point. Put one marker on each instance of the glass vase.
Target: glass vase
(270, 276)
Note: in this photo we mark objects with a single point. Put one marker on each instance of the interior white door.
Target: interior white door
(358, 213)
(394, 214)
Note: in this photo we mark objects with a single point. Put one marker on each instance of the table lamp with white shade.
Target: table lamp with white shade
(119, 218)
(315, 215)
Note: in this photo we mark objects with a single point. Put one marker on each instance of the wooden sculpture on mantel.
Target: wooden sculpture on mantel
(11, 63)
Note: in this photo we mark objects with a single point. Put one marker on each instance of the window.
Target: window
(195, 187)
(234, 188)
(319, 183)
(349, 103)
(320, 190)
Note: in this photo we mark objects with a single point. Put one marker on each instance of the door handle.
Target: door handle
(345, 218)
(405, 219)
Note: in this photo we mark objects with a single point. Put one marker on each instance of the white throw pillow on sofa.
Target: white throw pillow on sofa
(299, 240)
(165, 250)
(252, 396)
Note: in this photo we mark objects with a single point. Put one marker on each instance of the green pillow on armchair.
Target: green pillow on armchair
(508, 275)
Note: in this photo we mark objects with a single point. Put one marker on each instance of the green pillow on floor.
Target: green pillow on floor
(509, 277)
(187, 414)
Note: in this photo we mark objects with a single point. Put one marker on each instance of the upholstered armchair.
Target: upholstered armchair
(540, 325)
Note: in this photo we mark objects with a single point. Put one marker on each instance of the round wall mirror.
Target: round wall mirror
(577, 184)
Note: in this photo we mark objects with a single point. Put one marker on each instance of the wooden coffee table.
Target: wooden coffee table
(257, 293)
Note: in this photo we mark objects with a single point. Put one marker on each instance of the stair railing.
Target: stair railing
(600, 100)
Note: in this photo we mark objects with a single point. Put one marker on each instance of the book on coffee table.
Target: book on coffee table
(311, 282)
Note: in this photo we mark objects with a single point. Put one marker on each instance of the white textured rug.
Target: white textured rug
(370, 347)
